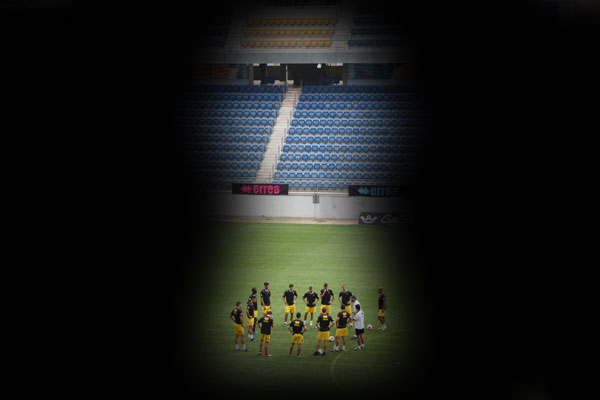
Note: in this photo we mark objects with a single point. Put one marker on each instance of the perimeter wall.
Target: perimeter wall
(297, 205)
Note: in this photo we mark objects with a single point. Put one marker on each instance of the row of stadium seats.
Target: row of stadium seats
(228, 105)
(332, 175)
(356, 114)
(322, 185)
(289, 32)
(205, 121)
(353, 89)
(233, 113)
(229, 173)
(354, 122)
(240, 130)
(238, 89)
(238, 97)
(292, 21)
(218, 148)
(343, 157)
(339, 166)
(201, 154)
(208, 164)
(232, 139)
(355, 131)
(354, 140)
(351, 148)
(375, 42)
(356, 105)
(357, 97)
(286, 43)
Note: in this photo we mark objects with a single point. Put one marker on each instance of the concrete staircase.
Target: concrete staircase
(277, 139)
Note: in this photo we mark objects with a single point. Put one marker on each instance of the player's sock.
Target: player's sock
(244, 346)
(310, 323)
(237, 347)
(343, 348)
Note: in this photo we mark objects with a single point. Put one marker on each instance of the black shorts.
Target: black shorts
(359, 331)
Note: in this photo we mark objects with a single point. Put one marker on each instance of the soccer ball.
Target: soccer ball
(331, 338)
(369, 326)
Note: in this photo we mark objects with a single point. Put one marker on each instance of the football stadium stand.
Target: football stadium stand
(347, 135)
(225, 129)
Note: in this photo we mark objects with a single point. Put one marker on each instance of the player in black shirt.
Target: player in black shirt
(323, 323)
(250, 319)
(252, 298)
(310, 298)
(326, 297)
(289, 300)
(381, 308)
(238, 325)
(341, 324)
(297, 328)
(344, 298)
(265, 298)
(265, 323)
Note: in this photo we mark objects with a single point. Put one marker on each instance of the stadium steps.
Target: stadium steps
(277, 139)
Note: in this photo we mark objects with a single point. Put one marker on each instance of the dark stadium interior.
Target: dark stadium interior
(103, 218)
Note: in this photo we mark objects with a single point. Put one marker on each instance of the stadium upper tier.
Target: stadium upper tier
(293, 32)
(286, 43)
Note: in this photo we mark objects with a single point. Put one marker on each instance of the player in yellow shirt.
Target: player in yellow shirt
(238, 325)
(297, 328)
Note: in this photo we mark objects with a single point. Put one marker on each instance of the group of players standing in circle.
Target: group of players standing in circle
(350, 312)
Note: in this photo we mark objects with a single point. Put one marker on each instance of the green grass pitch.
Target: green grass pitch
(244, 255)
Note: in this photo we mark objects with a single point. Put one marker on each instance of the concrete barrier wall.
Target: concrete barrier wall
(298, 206)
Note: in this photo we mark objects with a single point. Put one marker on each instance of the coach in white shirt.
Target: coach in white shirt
(359, 318)
(354, 303)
